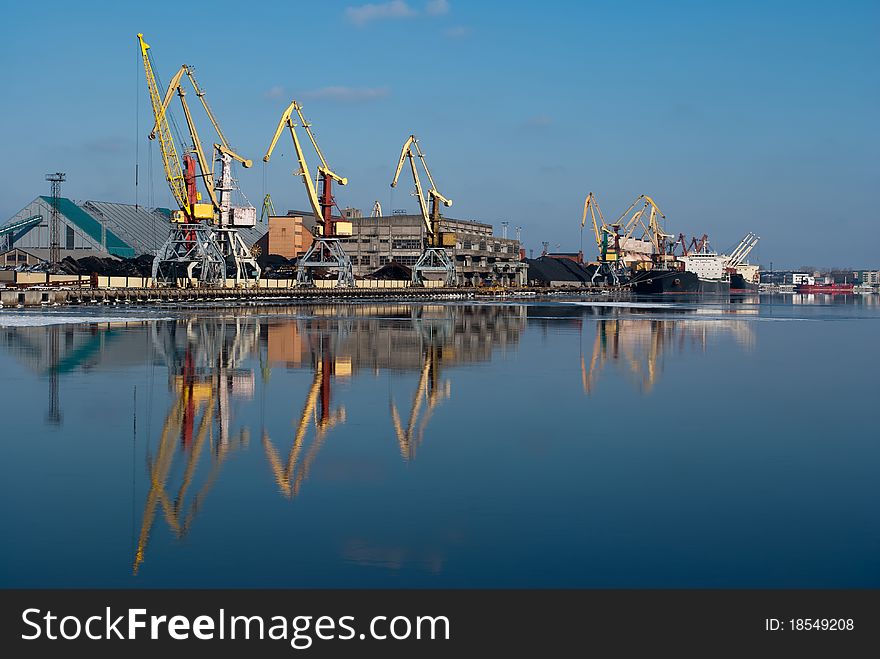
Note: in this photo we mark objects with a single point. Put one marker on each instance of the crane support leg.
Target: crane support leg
(191, 252)
(241, 266)
(434, 260)
(325, 253)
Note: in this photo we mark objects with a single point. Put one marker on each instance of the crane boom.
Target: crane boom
(207, 172)
(591, 206)
(166, 100)
(201, 94)
(222, 147)
(287, 120)
(403, 154)
(432, 218)
(433, 192)
(246, 162)
(170, 159)
(324, 168)
(406, 152)
(650, 230)
(742, 250)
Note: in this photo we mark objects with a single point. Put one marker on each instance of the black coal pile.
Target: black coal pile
(141, 266)
(546, 269)
(392, 270)
(275, 266)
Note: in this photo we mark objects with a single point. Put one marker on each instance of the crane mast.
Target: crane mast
(610, 265)
(434, 258)
(326, 251)
(746, 245)
(170, 160)
(205, 248)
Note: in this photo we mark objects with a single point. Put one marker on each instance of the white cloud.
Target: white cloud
(274, 92)
(341, 94)
(363, 14)
(457, 32)
(437, 7)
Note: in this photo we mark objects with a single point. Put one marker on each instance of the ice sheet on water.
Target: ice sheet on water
(627, 305)
(26, 319)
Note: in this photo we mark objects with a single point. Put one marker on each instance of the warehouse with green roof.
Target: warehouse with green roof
(96, 228)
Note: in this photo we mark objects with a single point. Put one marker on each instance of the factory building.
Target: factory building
(480, 256)
(95, 228)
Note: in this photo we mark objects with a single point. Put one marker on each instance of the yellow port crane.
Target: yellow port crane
(222, 148)
(434, 258)
(197, 252)
(326, 250)
(591, 208)
(170, 160)
(610, 265)
(653, 237)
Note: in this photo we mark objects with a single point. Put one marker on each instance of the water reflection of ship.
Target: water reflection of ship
(641, 344)
(202, 359)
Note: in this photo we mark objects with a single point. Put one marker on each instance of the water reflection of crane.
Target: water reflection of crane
(317, 411)
(639, 343)
(204, 378)
(623, 340)
(436, 330)
(429, 392)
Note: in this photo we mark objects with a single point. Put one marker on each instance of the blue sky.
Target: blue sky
(735, 117)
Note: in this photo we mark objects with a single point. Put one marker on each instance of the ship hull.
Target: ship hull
(677, 282)
(739, 285)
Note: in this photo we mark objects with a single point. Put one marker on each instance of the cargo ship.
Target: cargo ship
(739, 284)
(664, 280)
(832, 289)
(674, 280)
(744, 278)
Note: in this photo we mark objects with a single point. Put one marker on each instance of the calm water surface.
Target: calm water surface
(544, 444)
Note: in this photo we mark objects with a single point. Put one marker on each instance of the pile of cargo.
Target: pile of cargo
(550, 271)
(391, 271)
(141, 266)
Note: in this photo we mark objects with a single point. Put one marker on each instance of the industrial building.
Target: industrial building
(288, 236)
(15, 257)
(96, 228)
(480, 256)
(100, 228)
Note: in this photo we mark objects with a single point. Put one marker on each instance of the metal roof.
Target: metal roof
(146, 229)
(92, 227)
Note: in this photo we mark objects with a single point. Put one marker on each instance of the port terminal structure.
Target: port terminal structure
(326, 250)
(434, 258)
(203, 242)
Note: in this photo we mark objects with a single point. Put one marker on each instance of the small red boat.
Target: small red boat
(824, 288)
